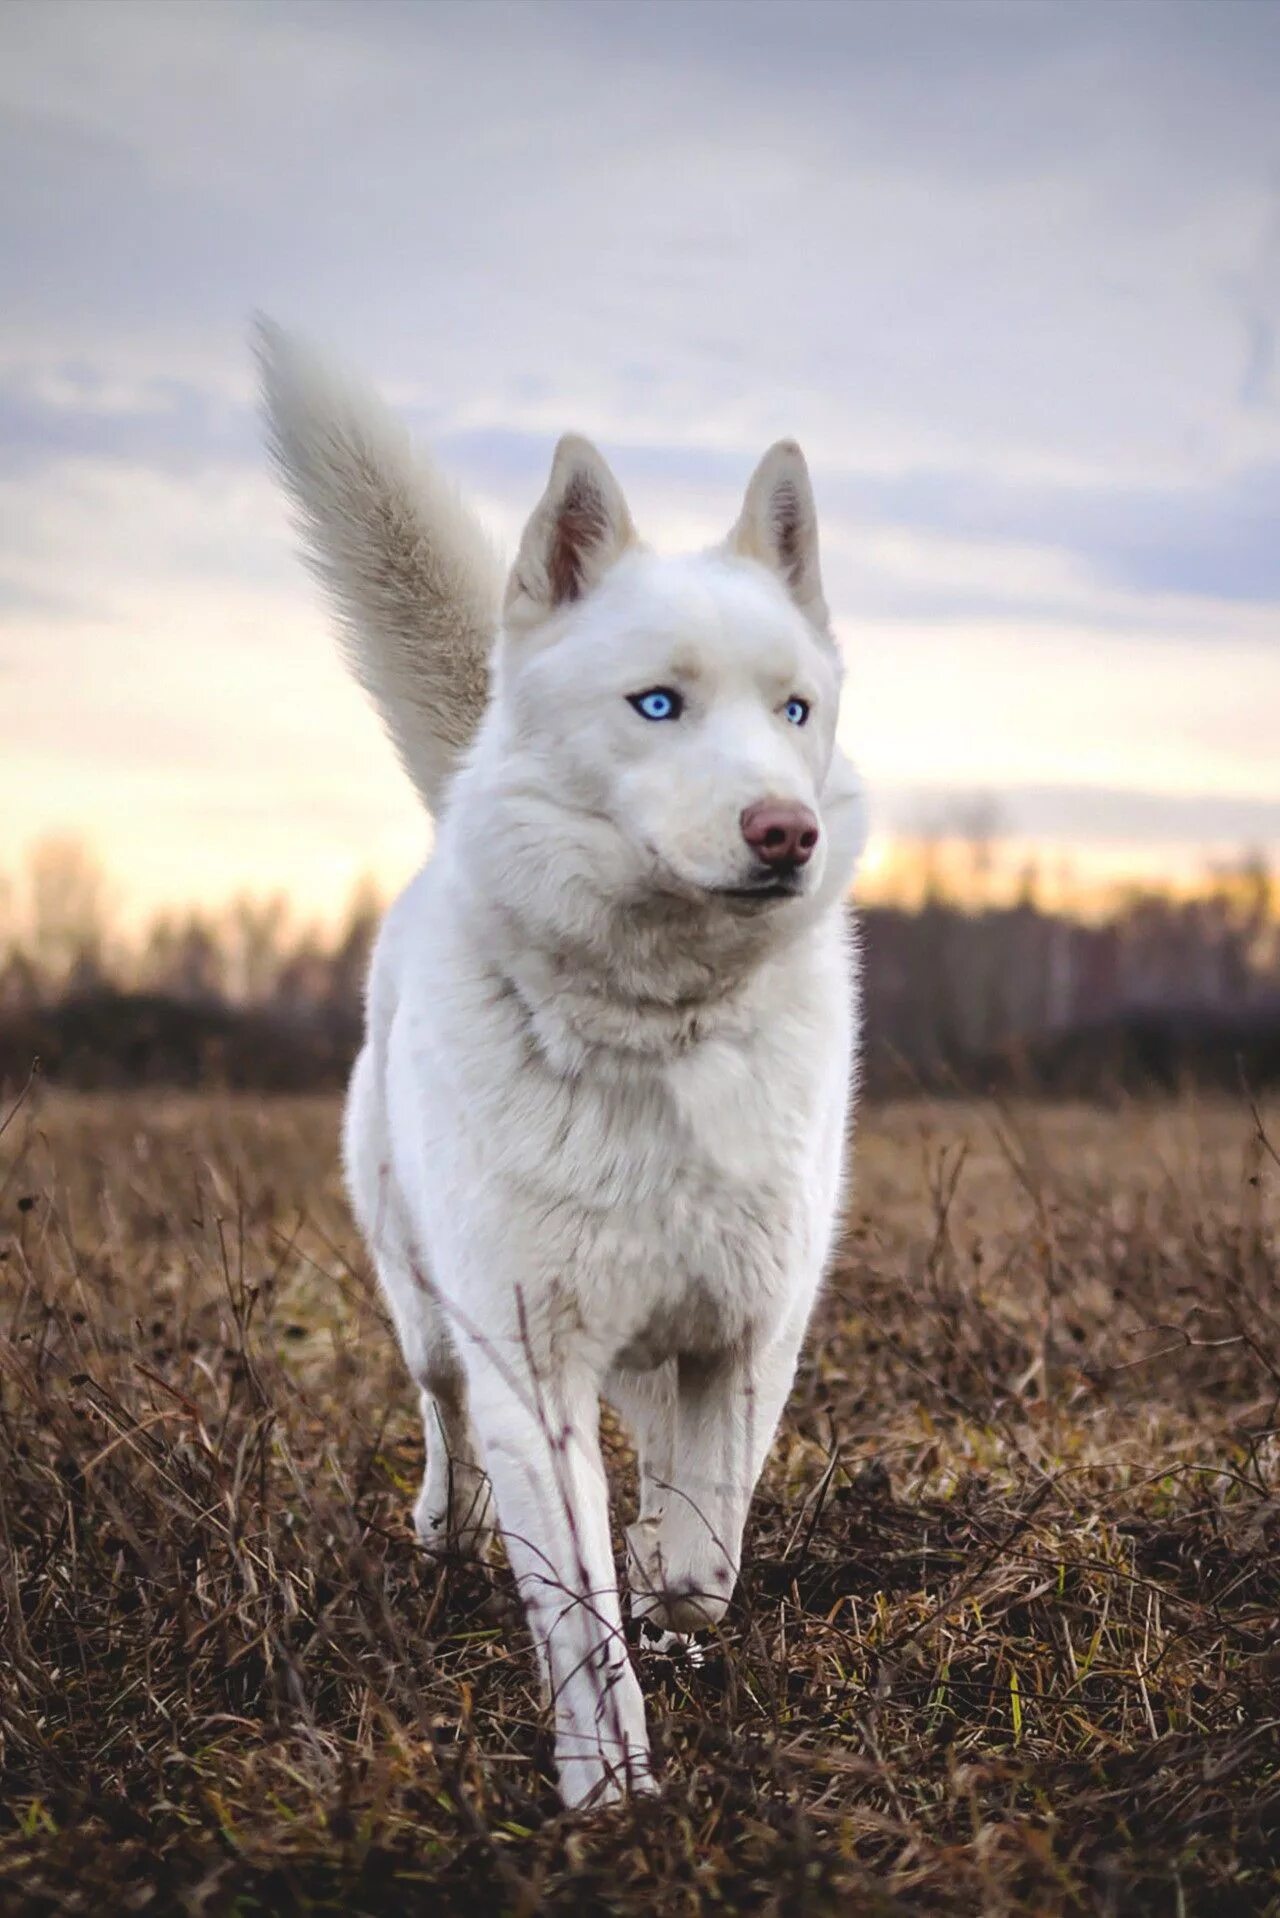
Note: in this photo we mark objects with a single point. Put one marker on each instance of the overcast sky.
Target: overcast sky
(1010, 271)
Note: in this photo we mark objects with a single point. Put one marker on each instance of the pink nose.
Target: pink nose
(780, 834)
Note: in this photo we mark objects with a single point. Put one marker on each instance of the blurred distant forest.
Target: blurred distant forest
(969, 985)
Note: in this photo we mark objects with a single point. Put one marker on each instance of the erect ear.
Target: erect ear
(579, 528)
(778, 526)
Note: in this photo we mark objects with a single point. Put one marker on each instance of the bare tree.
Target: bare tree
(978, 823)
(350, 961)
(69, 908)
(255, 935)
(184, 958)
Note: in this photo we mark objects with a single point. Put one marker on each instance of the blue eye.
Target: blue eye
(660, 702)
(797, 711)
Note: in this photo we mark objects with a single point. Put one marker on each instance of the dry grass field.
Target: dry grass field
(1007, 1637)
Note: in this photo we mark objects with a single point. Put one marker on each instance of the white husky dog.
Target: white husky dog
(596, 1134)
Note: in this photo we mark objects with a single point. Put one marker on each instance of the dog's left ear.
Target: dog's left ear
(579, 528)
(778, 526)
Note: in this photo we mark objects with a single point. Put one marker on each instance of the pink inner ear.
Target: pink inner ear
(787, 527)
(581, 526)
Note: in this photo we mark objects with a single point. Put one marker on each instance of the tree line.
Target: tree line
(957, 984)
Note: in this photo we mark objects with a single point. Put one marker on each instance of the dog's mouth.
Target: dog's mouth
(763, 893)
(769, 890)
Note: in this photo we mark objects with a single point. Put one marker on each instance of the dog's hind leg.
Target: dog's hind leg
(454, 1508)
(454, 1511)
(646, 1404)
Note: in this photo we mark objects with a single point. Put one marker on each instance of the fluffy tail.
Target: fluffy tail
(411, 574)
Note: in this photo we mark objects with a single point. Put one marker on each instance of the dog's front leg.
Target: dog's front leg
(539, 1430)
(727, 1411)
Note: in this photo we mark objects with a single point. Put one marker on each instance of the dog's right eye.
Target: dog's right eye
(660, 702)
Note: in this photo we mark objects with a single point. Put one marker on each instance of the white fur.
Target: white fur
(595, 1138)
(414, 581)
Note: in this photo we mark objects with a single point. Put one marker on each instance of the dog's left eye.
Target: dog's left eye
(660, 702)
(797, 711)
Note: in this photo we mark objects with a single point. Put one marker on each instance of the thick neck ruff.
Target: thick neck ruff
(580, 1012)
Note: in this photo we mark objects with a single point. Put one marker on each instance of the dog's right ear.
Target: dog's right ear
(579, 528)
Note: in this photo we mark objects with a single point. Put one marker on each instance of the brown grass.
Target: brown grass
(1007, 1634)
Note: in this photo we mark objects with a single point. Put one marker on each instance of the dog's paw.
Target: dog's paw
(680, 1647)
(691, 1605)
(454, 1533)
(692, 1597)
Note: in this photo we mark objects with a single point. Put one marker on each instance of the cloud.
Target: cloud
(1102, 815)
(1213, 538)
(988, 241)
(74, 412)
(21, 602)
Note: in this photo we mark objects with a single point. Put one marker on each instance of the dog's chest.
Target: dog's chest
(662, 1203)
(689, 1196)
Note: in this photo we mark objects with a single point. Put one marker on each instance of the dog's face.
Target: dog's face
(687, 707)
(669, 723)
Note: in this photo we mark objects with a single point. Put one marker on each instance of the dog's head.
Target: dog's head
(668, 723)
